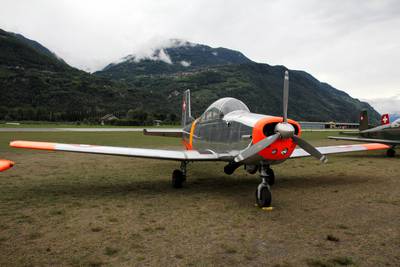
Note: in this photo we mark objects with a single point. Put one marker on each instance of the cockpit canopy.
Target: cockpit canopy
(223, 106)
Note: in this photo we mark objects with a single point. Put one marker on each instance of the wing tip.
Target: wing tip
(6, 164)
(33, 145)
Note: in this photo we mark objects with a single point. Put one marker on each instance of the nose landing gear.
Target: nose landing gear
(263, 192)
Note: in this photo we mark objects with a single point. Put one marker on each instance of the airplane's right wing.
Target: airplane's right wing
(368, 140)
(179, 155)
(5, 164)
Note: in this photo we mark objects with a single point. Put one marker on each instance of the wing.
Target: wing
(163, 132)
(298, 152)
(5, 164)
(368, 140)
(180, 155)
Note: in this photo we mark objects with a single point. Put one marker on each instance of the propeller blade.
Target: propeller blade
(285, 95)
(310, 149)
(257, 147)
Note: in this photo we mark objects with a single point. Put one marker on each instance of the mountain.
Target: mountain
(180, 56)
(35, 84)
(18, 51)
(220, 72)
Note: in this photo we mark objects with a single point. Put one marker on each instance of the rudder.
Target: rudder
(363, 120)
(186, 112)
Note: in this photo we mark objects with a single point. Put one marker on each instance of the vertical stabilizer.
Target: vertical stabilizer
(186, 112)
(363, 120)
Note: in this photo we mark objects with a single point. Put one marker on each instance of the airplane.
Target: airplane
(387, 133)
(227, 131)
(5, 164)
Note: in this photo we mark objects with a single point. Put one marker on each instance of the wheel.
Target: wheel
(263, 196)
(271, 176)
(177, 179)
(391, 152)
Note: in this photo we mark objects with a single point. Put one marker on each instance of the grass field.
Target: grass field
(71, 125)
(65, 209)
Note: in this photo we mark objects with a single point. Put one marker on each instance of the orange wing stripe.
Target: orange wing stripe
(374, 146)
(33, 145)
(5, 164)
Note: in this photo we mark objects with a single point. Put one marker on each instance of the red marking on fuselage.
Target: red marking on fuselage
(276, 151)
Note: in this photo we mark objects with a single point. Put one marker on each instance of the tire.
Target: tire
(265, 199)
(391, 152)
(177, 179)
(271, 176)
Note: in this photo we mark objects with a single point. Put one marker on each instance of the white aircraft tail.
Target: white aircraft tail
(186, 112)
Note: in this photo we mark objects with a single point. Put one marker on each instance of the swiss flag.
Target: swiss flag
(385, 119)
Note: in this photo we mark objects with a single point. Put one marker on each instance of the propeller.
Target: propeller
(283, 130)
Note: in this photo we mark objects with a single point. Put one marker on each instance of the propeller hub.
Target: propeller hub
(285, 129)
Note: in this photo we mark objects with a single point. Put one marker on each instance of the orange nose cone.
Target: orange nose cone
(280, 149)
(5, 164)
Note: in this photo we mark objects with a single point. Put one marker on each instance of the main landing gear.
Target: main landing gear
(391, 152)
(179, 176)
(263, 192)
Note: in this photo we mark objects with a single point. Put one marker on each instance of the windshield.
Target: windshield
(223, 106)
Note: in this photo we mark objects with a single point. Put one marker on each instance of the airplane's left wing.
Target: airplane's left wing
(179, 155)
(298, 152)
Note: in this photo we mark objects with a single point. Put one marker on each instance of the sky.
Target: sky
(353, 45)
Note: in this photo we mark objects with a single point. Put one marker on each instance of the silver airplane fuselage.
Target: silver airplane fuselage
(228, 126)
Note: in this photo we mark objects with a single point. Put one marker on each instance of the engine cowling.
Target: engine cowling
(282, 148)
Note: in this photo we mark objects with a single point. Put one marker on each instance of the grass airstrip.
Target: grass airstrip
(65, 209)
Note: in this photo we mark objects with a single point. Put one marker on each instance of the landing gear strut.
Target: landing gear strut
(179, 176)
(391, 152)
(263, 193)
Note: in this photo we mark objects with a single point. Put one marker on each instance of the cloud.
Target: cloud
(386, 105)
(185, 63)
(155, 50)
(352, 45)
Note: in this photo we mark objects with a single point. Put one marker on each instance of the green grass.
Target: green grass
(24, 124)
(65, 209)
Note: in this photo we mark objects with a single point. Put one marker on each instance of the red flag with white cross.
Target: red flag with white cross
(385, 119)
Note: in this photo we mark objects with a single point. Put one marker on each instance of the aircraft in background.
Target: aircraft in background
(5, 164)
(388, 133)
(227, 131)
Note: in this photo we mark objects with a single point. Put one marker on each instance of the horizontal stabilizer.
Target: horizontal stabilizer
(163, 132)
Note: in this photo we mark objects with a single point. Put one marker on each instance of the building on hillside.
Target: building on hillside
(108, 118)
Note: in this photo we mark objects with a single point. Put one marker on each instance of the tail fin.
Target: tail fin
(385, 119)
(363, 120)
(186, 112)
